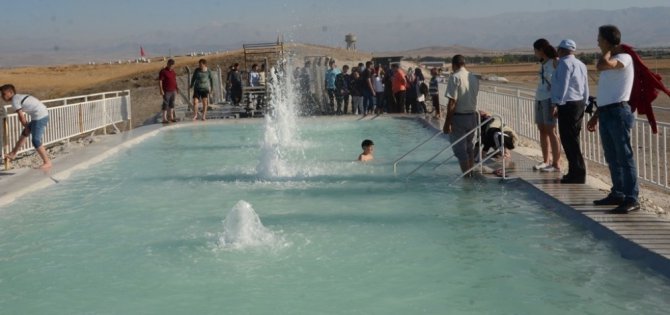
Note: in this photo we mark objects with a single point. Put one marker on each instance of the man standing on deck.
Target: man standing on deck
(398, 87)
(167, 83)
(616, 119)
(462, 91)
(569, 92)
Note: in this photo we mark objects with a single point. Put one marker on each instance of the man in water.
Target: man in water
(39, 119)
(368, 148)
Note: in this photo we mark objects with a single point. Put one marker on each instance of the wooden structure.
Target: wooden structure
(265, 55)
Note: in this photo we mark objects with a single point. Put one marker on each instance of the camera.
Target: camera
(591, 105)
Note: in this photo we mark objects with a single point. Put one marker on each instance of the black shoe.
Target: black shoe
(625, 208)
(609, 201)
(572, 180)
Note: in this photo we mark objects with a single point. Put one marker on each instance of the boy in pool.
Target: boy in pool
(368, 147)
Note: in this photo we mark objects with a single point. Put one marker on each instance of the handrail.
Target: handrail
(395, 163)
(488, 157)
(480, 141)
(476, 129)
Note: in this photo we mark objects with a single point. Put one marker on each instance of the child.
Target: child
(368, 147)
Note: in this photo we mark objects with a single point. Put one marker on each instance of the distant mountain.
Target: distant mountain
(642, 27)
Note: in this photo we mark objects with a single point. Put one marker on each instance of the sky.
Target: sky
(59, 24)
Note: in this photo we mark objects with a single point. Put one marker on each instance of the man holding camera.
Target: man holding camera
(616, 120)
(569, 92)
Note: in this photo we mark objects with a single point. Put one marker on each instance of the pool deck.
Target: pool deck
(638, 235)
(641, 236)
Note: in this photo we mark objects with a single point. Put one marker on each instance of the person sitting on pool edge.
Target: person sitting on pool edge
(368, 147)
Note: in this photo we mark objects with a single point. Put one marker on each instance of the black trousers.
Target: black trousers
(570, 118)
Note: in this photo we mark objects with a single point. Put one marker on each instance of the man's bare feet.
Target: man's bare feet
(46, 167)
(195, 117)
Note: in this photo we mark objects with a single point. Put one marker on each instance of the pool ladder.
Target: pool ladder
(479, 164)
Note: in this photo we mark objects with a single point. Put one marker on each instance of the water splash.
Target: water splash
(242, 228)
(280, 142)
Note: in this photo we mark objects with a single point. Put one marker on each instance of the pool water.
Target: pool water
(144, 233)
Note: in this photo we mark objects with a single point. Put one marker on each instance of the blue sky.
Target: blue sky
(106, 19)
(120, 26)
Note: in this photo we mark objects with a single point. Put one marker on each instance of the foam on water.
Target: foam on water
(242, 228)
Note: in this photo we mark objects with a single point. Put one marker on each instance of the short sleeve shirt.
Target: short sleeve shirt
(543, 91)
(30, 105)
(615, 85)
(463, 87)
(168, 78)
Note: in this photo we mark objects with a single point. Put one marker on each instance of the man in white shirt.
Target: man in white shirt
(39, 118)
(462, 91)
(616, 119)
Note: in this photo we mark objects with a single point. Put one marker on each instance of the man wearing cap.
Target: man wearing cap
(569, 93)
(616, 120)
(167, 83)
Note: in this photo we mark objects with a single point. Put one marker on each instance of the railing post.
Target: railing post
(81, 119)
(519, 112)
(104, 115)
(5, 143)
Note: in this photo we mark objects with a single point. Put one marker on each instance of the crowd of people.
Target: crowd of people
(367, 88)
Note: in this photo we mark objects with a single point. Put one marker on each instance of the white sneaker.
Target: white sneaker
(550, 169)
(540, 166)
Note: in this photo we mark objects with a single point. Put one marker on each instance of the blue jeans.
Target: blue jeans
(368, 101)
(615, 125)
(37, 128)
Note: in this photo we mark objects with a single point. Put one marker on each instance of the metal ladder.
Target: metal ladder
(479, 164)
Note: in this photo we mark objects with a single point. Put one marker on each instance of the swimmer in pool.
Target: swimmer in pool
(368, 148)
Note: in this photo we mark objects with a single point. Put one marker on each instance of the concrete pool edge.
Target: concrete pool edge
(628, 248)
(25, 181)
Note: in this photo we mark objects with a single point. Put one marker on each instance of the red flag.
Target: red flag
(141, 51)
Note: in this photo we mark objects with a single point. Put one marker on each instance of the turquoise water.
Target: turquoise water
(142, 233)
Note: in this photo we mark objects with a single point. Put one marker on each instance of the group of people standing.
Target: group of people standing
(561, 97)
(377, 89)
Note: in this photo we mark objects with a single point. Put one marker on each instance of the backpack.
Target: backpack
(423, 88)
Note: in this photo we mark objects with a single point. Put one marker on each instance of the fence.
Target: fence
(70, 117)
(517, 107)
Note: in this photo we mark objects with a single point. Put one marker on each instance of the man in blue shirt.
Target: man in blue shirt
(569, 92)
(331, 75)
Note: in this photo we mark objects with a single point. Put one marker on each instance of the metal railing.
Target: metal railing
(481, 162)
(395, 163)
(517, 106)
(70, 117)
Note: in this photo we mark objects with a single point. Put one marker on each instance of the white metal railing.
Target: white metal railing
(70, 117)
(517, 106)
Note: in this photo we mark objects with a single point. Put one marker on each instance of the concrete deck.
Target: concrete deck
(638, 235)
(641, 236)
